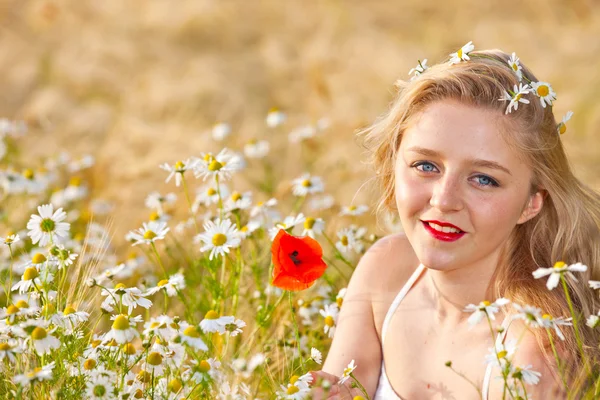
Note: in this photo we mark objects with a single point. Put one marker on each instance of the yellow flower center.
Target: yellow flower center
(99, 390)
(219, 239)
(518, 97)
(211, 192)
(38, 258)
(179, 165)
(154, 216)
(559, 264)
(49, 309)
(175, 385)
(144, 376)
(96, 343)
(154, 358)
(329, 320)
(121, 323)
(547, 316)
(4, 346)
(204, 366)
(459, 53)
(211, 315)
(294, 379)
(162, 282)
(486, 303)
(28, 174)
(120, 286)
(292, 389)
(236, 196)
(10, 310)
(339, 301)
(39, 333)
(22, 304)
(129, 349)
(208, 157)
(306, 183)
(89, 364)
(562, 128)
(344, 240)
(352, 208)
(309, 223)
(502, 354)
(214, 166)
(30, 273)
(75, 181)
(149, 235)
(191, 331)
(543, 90)
(515, 67)
(68, 310)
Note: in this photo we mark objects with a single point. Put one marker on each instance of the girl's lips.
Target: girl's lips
(443, 236)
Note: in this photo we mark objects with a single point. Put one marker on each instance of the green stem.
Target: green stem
(159, 260)
(558, 362)
(296, 329)
(360, 386)
(575, 324)
(187, 197)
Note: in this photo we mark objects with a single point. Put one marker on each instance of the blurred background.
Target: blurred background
(141, 82)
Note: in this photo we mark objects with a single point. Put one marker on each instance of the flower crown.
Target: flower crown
(543, 90)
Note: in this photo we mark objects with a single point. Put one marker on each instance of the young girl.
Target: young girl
(470, 157)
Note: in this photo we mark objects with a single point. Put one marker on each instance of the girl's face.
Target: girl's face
(454, 167)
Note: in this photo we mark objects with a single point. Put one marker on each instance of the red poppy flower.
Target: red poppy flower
(297, 260)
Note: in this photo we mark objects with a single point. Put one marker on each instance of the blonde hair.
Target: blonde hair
(568, 226)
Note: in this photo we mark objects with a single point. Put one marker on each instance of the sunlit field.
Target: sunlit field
(182, 195)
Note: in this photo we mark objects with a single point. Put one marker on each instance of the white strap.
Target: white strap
(388, 317)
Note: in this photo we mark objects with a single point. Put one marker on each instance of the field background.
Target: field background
(138, 83)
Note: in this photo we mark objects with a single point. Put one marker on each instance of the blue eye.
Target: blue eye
(427, 166)
(486, 181)
(483, 180)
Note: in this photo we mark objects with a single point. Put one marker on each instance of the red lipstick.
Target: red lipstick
(443, 236)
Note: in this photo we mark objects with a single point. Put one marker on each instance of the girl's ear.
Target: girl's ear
(533, 207)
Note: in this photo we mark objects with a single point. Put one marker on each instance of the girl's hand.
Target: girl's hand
(336, 391)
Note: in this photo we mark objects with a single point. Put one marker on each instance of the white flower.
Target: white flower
(275, 118)
(313, 227)
(346, 374)
(154, 363)
(178, 169)
(289, 222)
(545, 92)
(219, 238)
(155, 200)
(525, 373)
(307, 185)
(191, 337)
(70, 317)
(547, 321)
(149, 232)
(238, 201)
(36, 375)
(484, 308)
(257, 148)
(42, 341)
(29, 280)
(176, 282)
(302, 133)
(462, 54)
(516, 97)
(419, 69)
(354, 210)
(297, 389)
(223, 165)
(321, 203)
(99, 387)
(594, 284)
(339, 298)
(562, 126)
(515, 65)
(130, 297)
(10, 240)
(203, 370)
(220, 131)
(9, 350)
(531, 315)
(593, 321)
(121, 330)
(557, 271)
(350, 239)
(316, 355)
(502, 353)
(47, 225)
(235, 327)
(213, 323)
(330, 313)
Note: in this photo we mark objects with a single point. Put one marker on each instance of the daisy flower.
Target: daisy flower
(176, 282)
(562, 126)
(502, 353)
(204, 370)
(238, 201)
(36, 375)
(10, 240)
(354, 210)
(257, 149)
(307, 185)
(9, 350)
(313, 227)
(339, 298)
(29, 280)
(221, 166)
(208, 194)
(154, 363)
(71, 317)
(265, 211)
(548, 322)
(235, 327)
(130, 297)
(419, 69)
(557, 271)
(178, 169)
(330, 313)
(212, 322)
(162, 326)
(545, 92)
(515, 65)
(288, 224)
(297, 389)
(525, 373)
(43, 228)
(462, 54)
(531, 315)
(191, 337)
(302, 133)
(122, 330)
(275, 118)
(220, 131)
(321, 203)
(350, 239)
(594, 284)
(155, 200)
(316, 355)
(219, 238)
(516, 97)
(42, 341)
(149, 232)
(346, 374)
(593, 321)
(484, 308)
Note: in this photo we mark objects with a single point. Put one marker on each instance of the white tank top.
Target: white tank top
(384, 388)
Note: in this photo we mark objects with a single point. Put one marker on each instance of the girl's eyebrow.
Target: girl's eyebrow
(477, 161)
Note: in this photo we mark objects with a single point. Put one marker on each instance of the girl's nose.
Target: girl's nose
(446, 195)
